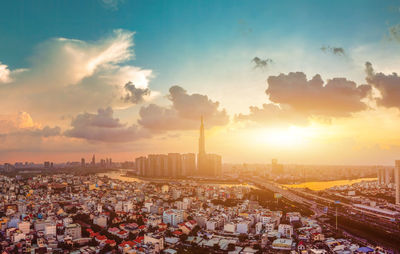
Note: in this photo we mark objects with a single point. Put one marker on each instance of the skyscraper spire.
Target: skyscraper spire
(202, 149)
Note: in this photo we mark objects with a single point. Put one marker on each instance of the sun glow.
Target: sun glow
(291, 137)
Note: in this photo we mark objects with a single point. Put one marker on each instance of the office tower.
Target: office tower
(83, 163)
(140, 164)
(380, 176)
(174, 164)
(151, 163)
(161, 168)
(397, 180)
(388, 176)
(202, 156)
(276, 168)
(214, 164)
(93, 163)
(188, 164)
(46, 164)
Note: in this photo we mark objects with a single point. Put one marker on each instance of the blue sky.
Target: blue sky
(169, 34)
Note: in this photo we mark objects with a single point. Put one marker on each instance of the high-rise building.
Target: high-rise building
(162, 165)
(214, 164)
(83, 163)
(152, 165)
(276, 168)
(201, 156)
(207, 164)
(397, 180)
(175, 164)
(388, 175)
(93, 163)
(188, 164)
(380, 173)
(140, 164)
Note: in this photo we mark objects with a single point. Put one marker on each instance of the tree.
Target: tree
(231, 247)
(216, 247)
(243, 237)
(183, 237)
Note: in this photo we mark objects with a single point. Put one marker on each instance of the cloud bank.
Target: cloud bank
(261, 63)
(102, 126)
(184, 113)
(387, 85)
(295, 99)
(135, 95)
(68, 76)
(339, 51)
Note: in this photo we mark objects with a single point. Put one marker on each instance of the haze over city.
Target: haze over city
(307, 82)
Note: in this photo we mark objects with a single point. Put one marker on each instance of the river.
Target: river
(120, 176)
(317, 186)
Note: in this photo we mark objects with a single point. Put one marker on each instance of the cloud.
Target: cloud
(22, 124)
(184, 113)
(7, 75)
(273, 114)
(103, 127)
(4, 73)
(338, 97)
(387, 85)
(112, 4)
(334, 50)
(135, 95)
(69, 76)
(394, 33)
(261, 63)
(295, 99)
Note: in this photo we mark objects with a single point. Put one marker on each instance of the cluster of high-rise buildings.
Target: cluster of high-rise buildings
(387, 176)
(181, 165)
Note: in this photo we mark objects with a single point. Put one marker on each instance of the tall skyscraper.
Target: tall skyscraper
(397, 180)
(93, 163)
(83, 163)
(202, 146)
(202, 156)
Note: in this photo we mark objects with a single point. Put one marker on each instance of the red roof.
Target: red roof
(110, 242)
(139, 239)
(130, 243)
(101, 237)
(177, 232)
(142, 227)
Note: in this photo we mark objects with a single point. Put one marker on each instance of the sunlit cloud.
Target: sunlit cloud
(91, 74)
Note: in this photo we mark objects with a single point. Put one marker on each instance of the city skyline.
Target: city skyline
(273, 80)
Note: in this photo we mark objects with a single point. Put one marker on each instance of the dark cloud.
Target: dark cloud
(261, 63)
(295, 99)
(338, 97)
(394, 33)
(34, 132)
(273, 114)
(135, 95)
(102, 126)
(184, 113)
(334, 50)
(388, 86)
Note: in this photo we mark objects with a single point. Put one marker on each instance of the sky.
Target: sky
(307, 82)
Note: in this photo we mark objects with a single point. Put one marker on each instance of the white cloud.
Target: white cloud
(68, 76)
